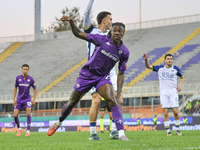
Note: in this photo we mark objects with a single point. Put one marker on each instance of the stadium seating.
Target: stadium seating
(50, 59)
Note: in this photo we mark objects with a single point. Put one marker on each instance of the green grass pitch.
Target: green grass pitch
(151, 140)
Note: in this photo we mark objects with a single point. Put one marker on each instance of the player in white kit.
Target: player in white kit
(168, 75)
(104, 20)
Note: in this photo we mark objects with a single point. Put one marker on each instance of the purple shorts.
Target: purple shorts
(84, 83)
(21, 103)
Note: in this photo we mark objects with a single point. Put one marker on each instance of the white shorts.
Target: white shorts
(113, 78)
(169, 100)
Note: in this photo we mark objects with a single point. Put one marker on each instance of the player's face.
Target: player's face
(169, 60)
(25, 70)
(108, 22)
(117, 33)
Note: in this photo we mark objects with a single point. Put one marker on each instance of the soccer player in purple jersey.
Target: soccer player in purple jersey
(104, 20)
(24, 82)
(109, 50)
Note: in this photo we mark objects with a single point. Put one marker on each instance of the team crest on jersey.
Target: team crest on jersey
(77, 85)
(20, 80)
(28, 80)
(120, 51)
(107, 43)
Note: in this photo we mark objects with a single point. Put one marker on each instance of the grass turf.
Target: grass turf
(79, 141)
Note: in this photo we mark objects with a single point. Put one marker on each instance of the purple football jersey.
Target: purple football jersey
(105, 56)
(24, 87)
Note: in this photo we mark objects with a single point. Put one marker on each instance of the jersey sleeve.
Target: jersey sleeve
(178, 72)
(87, 16)
(16, 83)
(33, 84)
(95, 38)
(89, 29)
(156, 68)
(123, 63)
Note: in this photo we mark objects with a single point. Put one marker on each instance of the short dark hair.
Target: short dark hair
(25, 65)
(116, 24)
(168, 55)
(102, 15)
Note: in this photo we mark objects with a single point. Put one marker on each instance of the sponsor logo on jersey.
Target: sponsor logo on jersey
(115, 58)
(20, 80)
(23, 84)
(28, 80)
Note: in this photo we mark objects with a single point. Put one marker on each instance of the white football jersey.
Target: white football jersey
(168, 77)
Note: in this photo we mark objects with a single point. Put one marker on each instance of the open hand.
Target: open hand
(145, 56)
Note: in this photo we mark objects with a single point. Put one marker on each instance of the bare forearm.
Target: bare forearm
(76, 31)
(147, 64)
(182, 81)
(14, 93)
(120, 82)
(35, 93)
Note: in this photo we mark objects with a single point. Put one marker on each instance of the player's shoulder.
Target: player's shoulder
(91, 29)
(19, 76)
(31, 78)
(176, 67)
(158, 67)
(125, 49)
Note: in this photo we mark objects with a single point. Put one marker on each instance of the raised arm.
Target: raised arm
(75, 30)
(87, 15)
(120, 82)
(147, 62)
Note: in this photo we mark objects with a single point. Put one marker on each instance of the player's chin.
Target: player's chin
(116, 39)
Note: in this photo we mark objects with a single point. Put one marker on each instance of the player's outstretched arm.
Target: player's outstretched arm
(120, 82)
(87, 14)
(147, 62)
(75, 30)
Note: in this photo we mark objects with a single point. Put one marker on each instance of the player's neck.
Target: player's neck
(102, 28)
(168, 66)
(24, 75)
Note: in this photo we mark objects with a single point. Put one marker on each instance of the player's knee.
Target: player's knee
(95, 104)
(176, 113)
(111, 102)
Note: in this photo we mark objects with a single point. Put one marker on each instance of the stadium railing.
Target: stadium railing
(140, 112)
(141, 91)
(130, 26)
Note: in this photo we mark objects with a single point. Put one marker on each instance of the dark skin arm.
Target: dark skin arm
(120, 82)
(75, 30)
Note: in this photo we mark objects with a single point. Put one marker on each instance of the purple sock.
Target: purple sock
(117, 116)
(65, 112)
(17, 122)
(28, 122)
